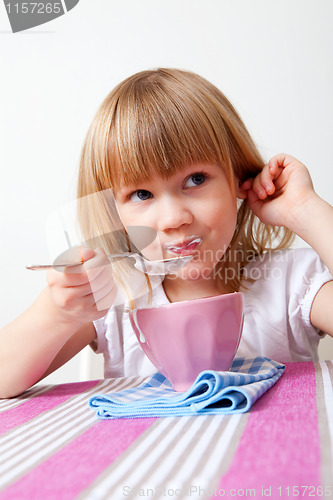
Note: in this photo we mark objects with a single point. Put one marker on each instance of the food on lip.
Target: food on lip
(186, 246)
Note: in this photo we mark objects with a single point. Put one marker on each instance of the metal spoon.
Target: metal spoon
(151, 267)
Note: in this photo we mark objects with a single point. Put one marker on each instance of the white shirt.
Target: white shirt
(276, 322)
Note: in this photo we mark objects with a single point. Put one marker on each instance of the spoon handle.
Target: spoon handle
(45, 267)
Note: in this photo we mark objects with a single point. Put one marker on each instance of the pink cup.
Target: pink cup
(182, 339)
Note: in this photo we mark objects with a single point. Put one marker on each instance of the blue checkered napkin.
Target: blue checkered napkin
(234, 391)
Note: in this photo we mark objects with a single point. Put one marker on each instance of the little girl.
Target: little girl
(179, 160)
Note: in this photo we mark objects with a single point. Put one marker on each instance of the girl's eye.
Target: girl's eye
(140, 195)
(195, 179)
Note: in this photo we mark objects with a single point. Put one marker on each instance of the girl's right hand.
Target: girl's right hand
(85, 296)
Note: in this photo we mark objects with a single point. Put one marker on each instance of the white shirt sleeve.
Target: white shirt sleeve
(278, 305)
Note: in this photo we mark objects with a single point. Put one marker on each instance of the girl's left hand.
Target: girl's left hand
(278, 193)
(282, 194)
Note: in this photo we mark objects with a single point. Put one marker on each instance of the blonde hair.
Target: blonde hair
(155, 123)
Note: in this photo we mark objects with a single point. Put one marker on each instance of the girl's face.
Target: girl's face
(194, 212)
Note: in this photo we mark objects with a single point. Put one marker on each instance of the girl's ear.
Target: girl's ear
(240, 192)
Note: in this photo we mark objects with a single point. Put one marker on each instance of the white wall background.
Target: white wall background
(272, 58)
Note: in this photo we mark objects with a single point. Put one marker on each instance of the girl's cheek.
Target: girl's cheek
(153, 251)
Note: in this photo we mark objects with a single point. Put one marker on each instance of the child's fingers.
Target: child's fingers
(253, 199)
(99, 259)
(262, 185)
(103, 288)
(274, 164)
(265, 183)
(72, 298)
(67, 280)
(105, 296)
(72, 275)
(97, 265)
(83, 301)
(85, 289)
(101, 281)
(247, 184)
(86, 254)
(281, 160)
(84, 274)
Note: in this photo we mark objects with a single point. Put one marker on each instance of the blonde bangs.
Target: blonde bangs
(156, 131)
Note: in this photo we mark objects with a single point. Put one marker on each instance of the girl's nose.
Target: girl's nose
(173, 213)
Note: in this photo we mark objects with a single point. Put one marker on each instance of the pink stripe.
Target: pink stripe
(33, 407)
(78, 464)
(279, 447)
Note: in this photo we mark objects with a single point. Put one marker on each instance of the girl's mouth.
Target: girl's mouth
(185, 247)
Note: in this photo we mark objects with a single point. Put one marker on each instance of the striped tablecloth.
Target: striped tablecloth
(52, 445)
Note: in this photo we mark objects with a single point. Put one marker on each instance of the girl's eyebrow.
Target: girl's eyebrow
(133, 187)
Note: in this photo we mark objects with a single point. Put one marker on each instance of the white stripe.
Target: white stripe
(35, 447)
(222, 444)
(184, 474)
(151, 462)
(43, 449)
(51, 415)
(163, 469)
(136, 464)
(328, 395)
(202, 434)
(50, 420)
(30, 440)
(33, 439)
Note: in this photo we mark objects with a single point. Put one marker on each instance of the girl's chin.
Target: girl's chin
(194, 272)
